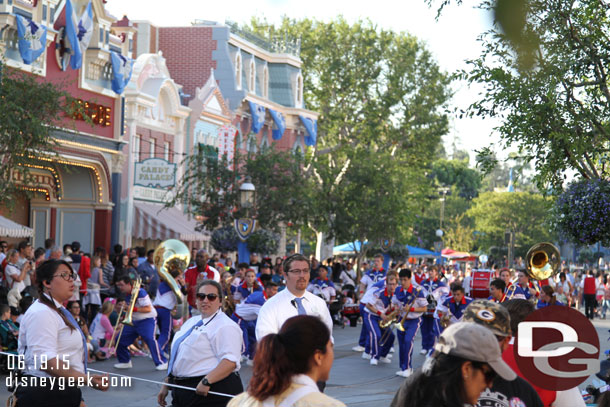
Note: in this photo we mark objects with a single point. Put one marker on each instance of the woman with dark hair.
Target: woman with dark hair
(205, 354)
(547, 297)
(288, 364)
(49, 333)
(465, 361)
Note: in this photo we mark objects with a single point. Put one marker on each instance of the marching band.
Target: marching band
(206, 352)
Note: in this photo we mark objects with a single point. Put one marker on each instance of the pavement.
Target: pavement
(352, 379)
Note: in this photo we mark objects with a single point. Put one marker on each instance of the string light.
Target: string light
(34, 189)
(53, 172)
(77, 164)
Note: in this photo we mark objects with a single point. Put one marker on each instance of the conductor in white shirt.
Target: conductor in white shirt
(294, 300)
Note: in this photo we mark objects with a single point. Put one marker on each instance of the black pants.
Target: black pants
(188, 398)
(45, 396)
(590, 304)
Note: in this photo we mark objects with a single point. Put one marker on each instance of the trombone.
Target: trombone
(543, 261)
(111, 345)
(393, 322)
(127, 317)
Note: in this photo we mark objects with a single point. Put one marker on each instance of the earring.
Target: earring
(466, 377)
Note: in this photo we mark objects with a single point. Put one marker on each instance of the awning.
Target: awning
(8, 228)
(452, 254)
(158, 223)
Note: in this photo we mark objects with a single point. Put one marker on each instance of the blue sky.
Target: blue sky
(452, 38)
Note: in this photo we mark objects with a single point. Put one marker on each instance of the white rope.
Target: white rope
(141, 379)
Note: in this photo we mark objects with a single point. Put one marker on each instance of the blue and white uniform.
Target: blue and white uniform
(415, 296)
(245, 316)
(455, 309)
(542, 304)
(369, 279)
(430, 329)
(144, 326)
(242, 291)
(381, 299)
(164, 303)
(322, 288)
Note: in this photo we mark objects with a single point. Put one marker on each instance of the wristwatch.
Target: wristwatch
(205, 382)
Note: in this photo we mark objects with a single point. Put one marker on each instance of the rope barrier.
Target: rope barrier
(141, 379)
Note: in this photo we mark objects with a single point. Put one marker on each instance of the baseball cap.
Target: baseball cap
(474, 342)
(489, 314)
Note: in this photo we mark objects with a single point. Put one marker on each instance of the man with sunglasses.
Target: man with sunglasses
(144, 322)
(294, 300)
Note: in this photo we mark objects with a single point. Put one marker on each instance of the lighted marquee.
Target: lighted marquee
(100, 115)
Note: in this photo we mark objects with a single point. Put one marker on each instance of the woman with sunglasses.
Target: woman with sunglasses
(465, 361)
(205, 354)
(52, 343)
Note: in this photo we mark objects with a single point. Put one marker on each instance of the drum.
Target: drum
(479, 283)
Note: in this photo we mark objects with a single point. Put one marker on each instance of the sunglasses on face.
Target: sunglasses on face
(210, 297)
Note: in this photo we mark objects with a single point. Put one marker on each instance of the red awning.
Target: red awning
(155, 222)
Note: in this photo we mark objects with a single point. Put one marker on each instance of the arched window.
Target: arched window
(238, 70)
(265, 82)
(264, 143)
(251, 147)
(299, 91)
(252, 84)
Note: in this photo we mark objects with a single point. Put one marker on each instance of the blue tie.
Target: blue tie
(176, 345)
(73, 321)
(300, 307)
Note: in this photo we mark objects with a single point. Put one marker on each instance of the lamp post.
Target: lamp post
(245, 226)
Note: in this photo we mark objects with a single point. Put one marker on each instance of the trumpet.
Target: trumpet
(394, 322)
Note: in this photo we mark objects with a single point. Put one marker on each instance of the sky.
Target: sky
(451, 39)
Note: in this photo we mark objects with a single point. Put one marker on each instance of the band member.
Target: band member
(505, 276)
(370, 277)
(49, 332)
(249, 286)
(164, 304)
(547, 297)
(205, 354)
(496, 289)
(419, 275)
(454, 306)
(322, 286)
(413, 297)
(523, 289)
(434, 291)
(378, 306)
(144, 321)
(197, 273)
(246, 314)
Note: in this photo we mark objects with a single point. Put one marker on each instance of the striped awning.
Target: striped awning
(8, 228)
(155, 222)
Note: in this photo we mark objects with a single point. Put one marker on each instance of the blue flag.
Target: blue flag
(258, 117)
(32, 39)
(311, 126)
(122, 68)
(78, 33)
(280, 124)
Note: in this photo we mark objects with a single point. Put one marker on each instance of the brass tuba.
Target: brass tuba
(542, 261)
(132, 303)
(173, 256)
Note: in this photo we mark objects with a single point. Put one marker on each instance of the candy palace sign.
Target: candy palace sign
(155, 173)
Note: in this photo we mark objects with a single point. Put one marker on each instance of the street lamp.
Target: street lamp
(245, 226)
(246, 194)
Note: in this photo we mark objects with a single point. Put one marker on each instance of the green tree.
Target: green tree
(459, 234)
(556, 112)
(210, 188)
(449, 173)
(381, 98)
(29, 112)
(524, 213)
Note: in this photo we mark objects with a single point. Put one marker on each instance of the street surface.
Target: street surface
(352, 380)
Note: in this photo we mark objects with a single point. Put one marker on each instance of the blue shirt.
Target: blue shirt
(431, 285)
(318, 282)
(407, 296)
(149, 276)
(376, 275)
(257, 297)
(245, 291)
(457, 309)
(542, 304)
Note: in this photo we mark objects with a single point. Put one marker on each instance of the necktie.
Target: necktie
(73, 321)
(176, 345)
(300, 307)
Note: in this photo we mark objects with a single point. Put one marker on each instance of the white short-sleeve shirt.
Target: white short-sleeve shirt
(206, 346)
(43, 335)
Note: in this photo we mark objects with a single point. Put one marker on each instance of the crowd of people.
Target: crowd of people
(277, 317)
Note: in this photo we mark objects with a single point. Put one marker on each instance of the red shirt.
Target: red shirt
(547, 396)
(190, 278)
(589, 287)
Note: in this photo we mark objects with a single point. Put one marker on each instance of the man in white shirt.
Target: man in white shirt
(294, 300)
